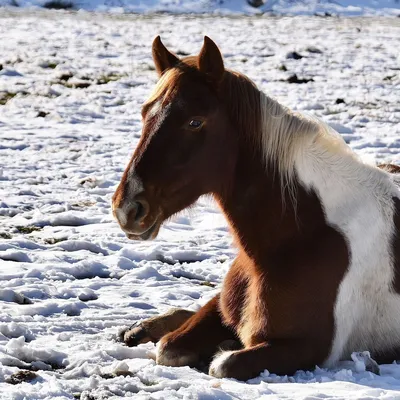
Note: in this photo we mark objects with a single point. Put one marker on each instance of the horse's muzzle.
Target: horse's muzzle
(136, 220)
(150, 233)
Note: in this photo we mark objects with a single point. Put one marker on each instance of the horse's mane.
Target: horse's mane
(243, 103)
(281, 132)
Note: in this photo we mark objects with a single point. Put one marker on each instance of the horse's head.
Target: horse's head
(186, 148)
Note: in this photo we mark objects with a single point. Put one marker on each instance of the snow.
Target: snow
(69, 278)
(221, 7)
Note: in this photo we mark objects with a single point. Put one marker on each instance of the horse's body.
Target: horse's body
(317, 274)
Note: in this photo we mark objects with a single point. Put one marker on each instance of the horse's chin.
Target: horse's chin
(150, 234)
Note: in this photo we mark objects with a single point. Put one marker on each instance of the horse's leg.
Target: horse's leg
(153, 329)
(197, 340)
(283, 357)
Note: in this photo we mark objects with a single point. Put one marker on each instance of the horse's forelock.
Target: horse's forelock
(164, 89)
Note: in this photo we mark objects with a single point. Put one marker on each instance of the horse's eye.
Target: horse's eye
(195, 124)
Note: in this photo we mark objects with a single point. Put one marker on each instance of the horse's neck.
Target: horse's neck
(329, 186)
(264, 217)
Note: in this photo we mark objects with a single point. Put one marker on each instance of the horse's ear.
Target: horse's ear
(210, 60)
(163, 58)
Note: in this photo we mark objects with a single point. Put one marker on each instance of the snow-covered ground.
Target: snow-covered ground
(224, 7)
(71, 86)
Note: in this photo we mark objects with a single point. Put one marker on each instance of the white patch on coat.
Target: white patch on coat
(358, 201)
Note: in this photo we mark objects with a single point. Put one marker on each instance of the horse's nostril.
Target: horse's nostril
(141, 210)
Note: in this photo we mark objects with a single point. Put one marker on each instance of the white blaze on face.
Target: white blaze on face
(135, 187)
(157, 113)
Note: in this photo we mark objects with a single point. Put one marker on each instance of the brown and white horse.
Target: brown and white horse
(317, 273)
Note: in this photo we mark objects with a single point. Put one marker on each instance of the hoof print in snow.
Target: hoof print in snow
(5, 97)
(5, 235)
(81, 85)
(122, 373)
(294, 55)
(115, 374)
(42, 114)
(21, 376)
(87, 295)
(389, 77)
(73, 313)
(313, 50)
(65, 77)
(74, 309)
(28, 229)
(294, 79)
(89, 182)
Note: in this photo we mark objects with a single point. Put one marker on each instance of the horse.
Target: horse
(316, 275)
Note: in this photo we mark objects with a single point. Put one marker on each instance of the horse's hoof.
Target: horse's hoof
(229, 364)
(135, 335)
(171, 356)
(220, 366)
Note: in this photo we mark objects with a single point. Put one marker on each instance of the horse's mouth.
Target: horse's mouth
(149, 233)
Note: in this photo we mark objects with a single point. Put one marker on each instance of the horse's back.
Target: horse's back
(393, 169)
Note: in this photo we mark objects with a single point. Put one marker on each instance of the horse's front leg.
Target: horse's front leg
(153, 329)
(197, 340)
(283, 357)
